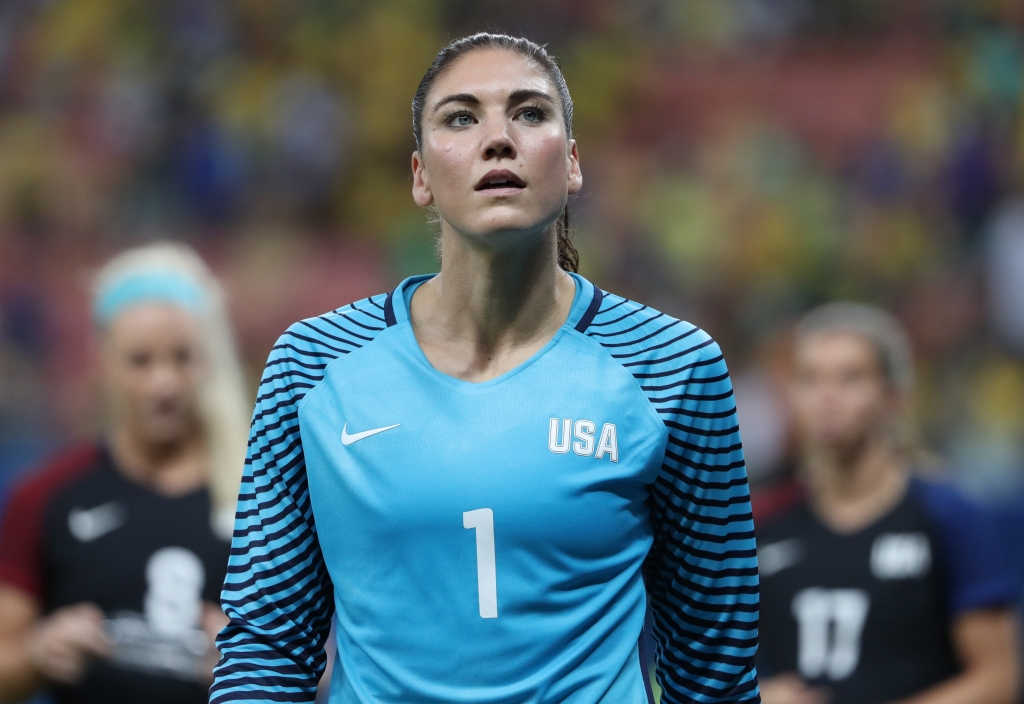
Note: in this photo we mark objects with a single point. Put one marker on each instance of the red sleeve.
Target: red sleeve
(776, 499)
(21, 529)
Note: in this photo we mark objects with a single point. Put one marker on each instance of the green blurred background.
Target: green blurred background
(743, 161)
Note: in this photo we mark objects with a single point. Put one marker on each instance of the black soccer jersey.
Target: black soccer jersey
(867, 615)
(81, 532)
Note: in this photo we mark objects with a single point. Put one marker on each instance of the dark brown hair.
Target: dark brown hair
(568, 257)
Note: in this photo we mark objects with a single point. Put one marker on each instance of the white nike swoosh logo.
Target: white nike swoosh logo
(89, 524)
(774, 558)
(347, 439)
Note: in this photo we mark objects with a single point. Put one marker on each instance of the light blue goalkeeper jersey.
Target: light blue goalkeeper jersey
(495, 542)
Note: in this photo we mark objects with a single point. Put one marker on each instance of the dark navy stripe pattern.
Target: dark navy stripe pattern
(701, 573)
(278, 595)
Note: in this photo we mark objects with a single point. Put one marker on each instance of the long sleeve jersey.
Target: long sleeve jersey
(496, 542)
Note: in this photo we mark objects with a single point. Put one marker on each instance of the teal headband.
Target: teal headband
(155, 286)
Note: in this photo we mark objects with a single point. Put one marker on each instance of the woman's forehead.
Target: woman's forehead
(490, 73)
(148, 317)
(837, 346)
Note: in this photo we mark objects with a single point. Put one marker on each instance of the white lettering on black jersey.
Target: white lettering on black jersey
(901, 555)
(863, 615)
(829, 627)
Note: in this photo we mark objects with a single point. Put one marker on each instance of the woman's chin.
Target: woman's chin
(507, 225)
(164, 432)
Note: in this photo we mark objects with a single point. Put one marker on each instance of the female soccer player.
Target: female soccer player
(877, 587)
(484, 475)
(112, 557)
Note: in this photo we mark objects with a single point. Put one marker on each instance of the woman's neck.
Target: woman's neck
(850, 491)
(171, 468)
(487, 312)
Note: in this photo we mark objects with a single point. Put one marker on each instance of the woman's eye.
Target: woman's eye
(461, 120)
(532, 115)
(139, 359)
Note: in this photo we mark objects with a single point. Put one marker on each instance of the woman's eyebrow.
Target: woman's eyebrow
(455, 98)
(514, 98)
(524, 94)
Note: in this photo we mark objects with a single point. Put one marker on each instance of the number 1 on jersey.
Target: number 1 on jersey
(482, 520)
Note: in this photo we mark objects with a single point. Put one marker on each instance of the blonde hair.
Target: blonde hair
(223, 401)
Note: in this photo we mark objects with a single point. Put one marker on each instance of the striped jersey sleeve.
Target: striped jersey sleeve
(278, 594)
(701, 572)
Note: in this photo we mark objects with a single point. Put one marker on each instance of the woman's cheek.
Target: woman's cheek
(452, 168)
(549, 154)
(550, 174)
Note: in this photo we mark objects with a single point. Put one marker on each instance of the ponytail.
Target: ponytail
(568, 257)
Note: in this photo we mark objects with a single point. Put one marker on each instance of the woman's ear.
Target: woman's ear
(420, 183)
(575, 175)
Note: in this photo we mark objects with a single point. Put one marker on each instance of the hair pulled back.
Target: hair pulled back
(568, 257)
(880, 328)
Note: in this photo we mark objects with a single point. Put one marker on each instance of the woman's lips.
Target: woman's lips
(501, 181)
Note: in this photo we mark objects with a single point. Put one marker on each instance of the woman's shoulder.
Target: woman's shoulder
(301, 355)
(339, 331)
(57, 470)
(639, 336)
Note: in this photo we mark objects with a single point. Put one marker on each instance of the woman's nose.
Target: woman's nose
(498, 144)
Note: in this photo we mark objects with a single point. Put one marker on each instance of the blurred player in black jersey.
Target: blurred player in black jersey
(112, 557)
(877, 587)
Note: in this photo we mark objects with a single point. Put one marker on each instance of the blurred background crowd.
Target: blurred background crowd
(743, 160)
